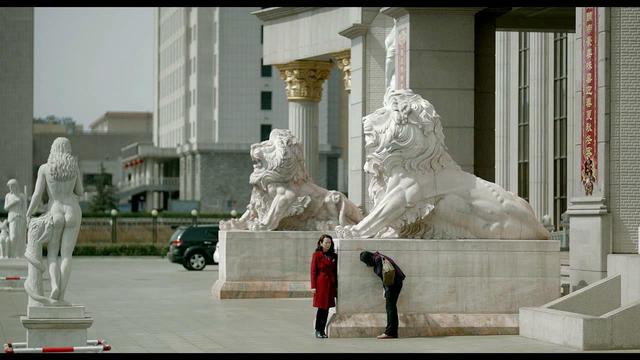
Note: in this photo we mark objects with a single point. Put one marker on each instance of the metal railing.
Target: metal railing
(170, 182)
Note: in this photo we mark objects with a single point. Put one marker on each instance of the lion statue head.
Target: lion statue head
(278, 160)
(406, 132)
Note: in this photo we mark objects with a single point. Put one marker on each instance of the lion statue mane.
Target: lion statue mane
(419, 191)
(284, 197)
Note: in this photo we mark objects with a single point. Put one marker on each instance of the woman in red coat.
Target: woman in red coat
(324, 281)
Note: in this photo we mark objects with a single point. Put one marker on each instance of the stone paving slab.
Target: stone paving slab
(147, 304)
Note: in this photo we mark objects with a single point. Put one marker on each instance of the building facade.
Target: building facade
(123, 122)
(96, 152)
(16, 95)
(545, 96)
(214, 98)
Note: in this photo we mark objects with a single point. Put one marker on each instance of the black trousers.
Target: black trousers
(321, 319)
(391, 296)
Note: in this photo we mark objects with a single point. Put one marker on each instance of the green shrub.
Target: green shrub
(118, 250)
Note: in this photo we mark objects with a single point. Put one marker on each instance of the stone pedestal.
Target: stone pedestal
(452, 287)
(56, 326)
(590, 229)
(12, 267)
(264, 264)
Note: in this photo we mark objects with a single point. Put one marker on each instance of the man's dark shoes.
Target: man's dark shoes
(320, 335)
(385, 336)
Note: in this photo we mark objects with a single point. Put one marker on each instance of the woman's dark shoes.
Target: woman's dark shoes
(320, 335)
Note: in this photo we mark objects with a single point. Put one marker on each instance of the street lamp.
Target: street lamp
(194, 217)
(114, 231)
(234, 213)
(154, 221)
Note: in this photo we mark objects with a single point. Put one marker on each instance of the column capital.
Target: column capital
(343, 60)
(304, 78)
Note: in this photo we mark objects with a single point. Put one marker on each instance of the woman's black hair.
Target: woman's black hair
(319, 244)
(367, 258)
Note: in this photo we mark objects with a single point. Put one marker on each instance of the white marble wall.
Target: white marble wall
(452, 276)
(263, 264)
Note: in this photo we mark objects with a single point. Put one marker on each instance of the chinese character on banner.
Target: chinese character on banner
(589, 161)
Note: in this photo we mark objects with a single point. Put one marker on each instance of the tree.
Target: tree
(105, 198)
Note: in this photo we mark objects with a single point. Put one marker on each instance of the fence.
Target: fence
(96, 231)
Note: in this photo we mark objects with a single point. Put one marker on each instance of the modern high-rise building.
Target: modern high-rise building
(16, 95)
(213, 99)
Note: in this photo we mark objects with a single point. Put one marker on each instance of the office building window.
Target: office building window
(265, 130)
(265, 69)
(559, 127)
(523, 115)
(261, 34)
(265, 100)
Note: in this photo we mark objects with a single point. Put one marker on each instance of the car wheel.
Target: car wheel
(195, 261)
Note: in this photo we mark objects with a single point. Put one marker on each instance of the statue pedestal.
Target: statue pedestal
(264, 264)
(12, 268)
(56, 326)
(452, 287)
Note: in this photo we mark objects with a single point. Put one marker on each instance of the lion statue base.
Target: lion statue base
(419, 191)
(284, 197)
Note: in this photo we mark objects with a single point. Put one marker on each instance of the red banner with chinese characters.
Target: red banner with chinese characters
(589, 158)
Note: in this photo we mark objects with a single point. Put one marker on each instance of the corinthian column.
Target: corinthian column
(343, 60)
(303, 81)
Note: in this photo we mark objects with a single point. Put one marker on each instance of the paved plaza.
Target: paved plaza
(146, 304)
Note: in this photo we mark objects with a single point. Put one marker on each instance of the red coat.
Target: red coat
(324, 278)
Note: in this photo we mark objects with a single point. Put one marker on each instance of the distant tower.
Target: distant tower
(16, 95)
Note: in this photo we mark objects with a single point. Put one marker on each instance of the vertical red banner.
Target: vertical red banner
(589, 158)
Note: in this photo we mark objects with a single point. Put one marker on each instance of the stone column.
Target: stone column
(538, 119)
(343, 61)
(436, 58)
(303, 80)
(594, 232)
(183, 177)
(502, 109)
(357, 187)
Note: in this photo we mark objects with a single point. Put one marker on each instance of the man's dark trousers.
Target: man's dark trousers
(391, 296)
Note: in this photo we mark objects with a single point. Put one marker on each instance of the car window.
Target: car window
(212, 233)
(176, 234)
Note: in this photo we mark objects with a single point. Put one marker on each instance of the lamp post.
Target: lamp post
(194, 217)
(154, 225)
(114, 231)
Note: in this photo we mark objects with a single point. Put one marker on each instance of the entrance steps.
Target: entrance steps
(592, 318)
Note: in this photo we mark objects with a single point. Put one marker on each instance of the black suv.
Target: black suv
(193, 246)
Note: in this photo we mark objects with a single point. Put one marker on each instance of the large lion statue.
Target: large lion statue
(284, 197)
(419, 191)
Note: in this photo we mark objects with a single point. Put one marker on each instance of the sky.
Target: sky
(88, 61)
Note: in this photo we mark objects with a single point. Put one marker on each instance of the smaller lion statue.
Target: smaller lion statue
(284, 197)
(419, 191)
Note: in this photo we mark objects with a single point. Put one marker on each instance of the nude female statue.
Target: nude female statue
(15, 203)
(60, 178)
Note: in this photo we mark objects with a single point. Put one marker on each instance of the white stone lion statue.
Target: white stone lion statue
(284, 197)
(419, 191)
